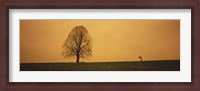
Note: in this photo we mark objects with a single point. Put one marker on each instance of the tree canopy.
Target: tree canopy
(78, 44)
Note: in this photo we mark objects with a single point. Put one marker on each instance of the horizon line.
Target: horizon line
(105, 61)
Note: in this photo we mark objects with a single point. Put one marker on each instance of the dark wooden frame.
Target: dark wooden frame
(70, 4)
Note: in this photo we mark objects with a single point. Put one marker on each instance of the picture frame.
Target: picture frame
(145, 86)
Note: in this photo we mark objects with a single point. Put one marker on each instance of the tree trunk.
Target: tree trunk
(77, 58)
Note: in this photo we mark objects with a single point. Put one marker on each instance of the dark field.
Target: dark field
(172, 65)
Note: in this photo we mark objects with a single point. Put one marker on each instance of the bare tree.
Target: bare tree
(78, 43)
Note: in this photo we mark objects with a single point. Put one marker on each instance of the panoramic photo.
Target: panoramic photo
(99, 45)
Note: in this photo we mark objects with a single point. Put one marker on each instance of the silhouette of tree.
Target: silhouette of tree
(78, 43)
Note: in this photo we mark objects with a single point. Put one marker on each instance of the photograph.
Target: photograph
(99, 45)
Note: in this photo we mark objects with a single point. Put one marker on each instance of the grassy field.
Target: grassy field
(169, 65)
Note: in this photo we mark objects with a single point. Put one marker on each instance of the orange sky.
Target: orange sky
(113, 40)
